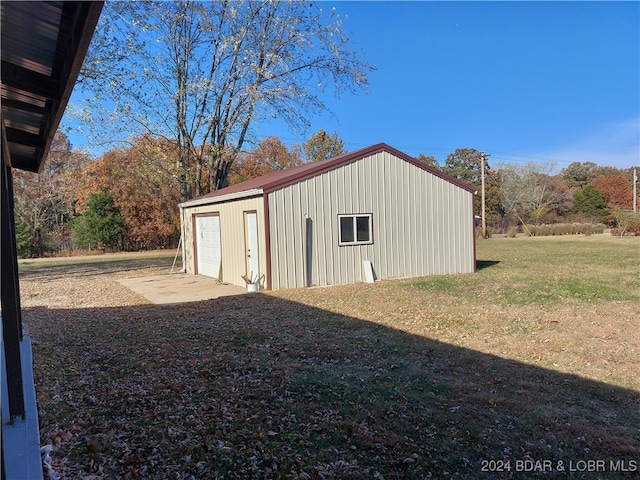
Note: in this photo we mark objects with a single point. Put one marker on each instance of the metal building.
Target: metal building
(317, 224)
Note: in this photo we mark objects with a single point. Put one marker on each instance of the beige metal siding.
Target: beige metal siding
(232, 237)
(422, 224)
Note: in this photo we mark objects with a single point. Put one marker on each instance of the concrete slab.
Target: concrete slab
(180, 288)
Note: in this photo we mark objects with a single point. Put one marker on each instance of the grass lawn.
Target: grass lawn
(528, 368)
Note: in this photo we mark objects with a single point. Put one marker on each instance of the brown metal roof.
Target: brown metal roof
(276, 180)
(43, 46)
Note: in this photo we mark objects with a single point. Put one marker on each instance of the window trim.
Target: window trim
(354, 216)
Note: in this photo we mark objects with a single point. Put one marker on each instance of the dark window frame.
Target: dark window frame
(355, 233)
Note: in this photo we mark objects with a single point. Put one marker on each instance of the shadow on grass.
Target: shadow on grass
(259, 387)
(482, 264)
(90, 267)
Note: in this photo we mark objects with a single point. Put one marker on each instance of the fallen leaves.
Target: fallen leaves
(287, 385)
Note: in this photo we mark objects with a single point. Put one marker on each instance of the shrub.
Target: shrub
(566, 229)
(589, 201)
(589, 229)
(100, 226)
(627, 222)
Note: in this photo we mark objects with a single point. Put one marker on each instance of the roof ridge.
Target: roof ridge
(281, 178)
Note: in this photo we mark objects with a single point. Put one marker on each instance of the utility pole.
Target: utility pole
(483, 159)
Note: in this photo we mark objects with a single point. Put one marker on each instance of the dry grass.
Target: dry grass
(533, 358)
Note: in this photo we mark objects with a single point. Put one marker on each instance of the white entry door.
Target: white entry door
(208, 247)
(251, 242)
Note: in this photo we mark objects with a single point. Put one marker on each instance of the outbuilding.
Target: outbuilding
(374, 212)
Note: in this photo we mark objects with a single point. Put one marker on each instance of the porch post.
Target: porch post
(10, 296)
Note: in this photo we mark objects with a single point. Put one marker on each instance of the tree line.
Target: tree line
(519, 195)
(127, 198)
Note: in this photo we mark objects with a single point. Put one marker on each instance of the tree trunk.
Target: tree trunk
(184, 173)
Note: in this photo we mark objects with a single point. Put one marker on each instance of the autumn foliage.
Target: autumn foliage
(616, 189)
(142, 182)
(144, 185)
(270, 155)
(44, 202)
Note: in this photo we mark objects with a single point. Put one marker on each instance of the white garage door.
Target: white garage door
(208, 249)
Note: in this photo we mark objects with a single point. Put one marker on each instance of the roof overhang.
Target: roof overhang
(254, 192)
(43, 46)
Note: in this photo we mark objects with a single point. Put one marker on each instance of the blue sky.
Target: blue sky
(523, 81)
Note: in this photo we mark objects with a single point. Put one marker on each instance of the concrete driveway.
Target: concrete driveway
(180, 288)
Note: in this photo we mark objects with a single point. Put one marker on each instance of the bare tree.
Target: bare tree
(44, 201)
(201, 74)
(531, 192)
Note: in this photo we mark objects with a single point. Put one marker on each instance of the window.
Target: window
(355, 229)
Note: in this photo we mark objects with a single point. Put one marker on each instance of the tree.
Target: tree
(44, 201)
(561, 198)
(465, 164)
(270, 155)
(626, 221)
(590, 202)
(616, 189)
(100, 226)
(532, 194)
(142, 182)
(322, 146)
(579, 174)
(428, 159)
(24, 243)
(202, 73)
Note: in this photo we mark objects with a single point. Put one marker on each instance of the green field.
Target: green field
(530, 363)
(548, 271)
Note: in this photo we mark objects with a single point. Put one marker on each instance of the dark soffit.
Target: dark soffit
(43, 46)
